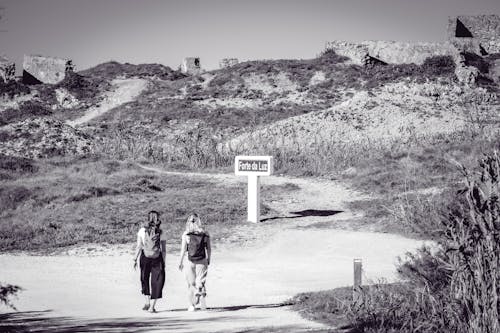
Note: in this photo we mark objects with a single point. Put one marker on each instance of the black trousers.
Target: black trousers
(152, 272)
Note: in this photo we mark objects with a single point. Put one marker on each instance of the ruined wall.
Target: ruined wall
(357, 52)
(7, 69)
(390, 52)
(191, 65)
(484, 29)
(228, 62)
(40, 69)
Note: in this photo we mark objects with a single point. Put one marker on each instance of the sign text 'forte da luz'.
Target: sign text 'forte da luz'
(253, 167)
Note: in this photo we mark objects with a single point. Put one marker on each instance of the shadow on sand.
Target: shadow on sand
(304, 213)
(45, 322)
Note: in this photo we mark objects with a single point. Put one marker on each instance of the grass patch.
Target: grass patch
(326, 306)
(93, 200)
(12, 166)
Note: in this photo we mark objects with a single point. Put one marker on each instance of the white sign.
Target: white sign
(253, 167)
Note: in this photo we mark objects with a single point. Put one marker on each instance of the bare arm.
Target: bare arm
(183, 252)
(163, 249)
(138, 250)
(208, 250)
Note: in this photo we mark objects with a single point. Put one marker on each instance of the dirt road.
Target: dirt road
(100, 291)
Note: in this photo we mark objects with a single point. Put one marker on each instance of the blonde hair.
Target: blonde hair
(193, 224)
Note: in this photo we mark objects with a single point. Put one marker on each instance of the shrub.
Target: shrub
(7, 291)
(26, 110)
(13, 88)
(83, 87)
(17, 164)
(439, 65)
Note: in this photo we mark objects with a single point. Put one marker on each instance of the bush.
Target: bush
(26, 110)
(439, 65)
(6, 292)
(17, 164)
(13, 88)
(83, 87)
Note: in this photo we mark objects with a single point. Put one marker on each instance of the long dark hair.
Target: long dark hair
(153, 219)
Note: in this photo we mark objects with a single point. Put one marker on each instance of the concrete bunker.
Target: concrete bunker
(478, 34)
(40, 69)
(191, 65)
(228, 62)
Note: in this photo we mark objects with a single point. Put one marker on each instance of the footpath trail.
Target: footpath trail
(247, 285)
(124, 91)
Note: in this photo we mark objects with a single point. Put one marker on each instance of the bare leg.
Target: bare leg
(146, 305)
(153, 304)
(189, 271)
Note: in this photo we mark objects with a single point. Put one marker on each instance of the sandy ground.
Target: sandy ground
(124, 91)
(246, 285)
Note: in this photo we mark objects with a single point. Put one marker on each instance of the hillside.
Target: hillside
(390, 130)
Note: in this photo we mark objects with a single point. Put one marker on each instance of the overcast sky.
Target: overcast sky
(143, 31)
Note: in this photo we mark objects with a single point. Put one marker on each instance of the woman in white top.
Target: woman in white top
(151, 247)
(196, 242)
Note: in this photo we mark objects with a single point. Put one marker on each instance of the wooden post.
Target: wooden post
(356, 288)
(358, 269)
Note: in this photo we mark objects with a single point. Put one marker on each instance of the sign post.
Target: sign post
(253, 167)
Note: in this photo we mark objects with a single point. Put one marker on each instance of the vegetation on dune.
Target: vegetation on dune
(338, 75)
(95, 200)
(453, 287)
(114, 69)
(28, 109)
(83, 87)
(12, 89)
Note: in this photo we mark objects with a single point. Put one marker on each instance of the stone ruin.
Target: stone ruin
(191, 65)
(39, 69)
(7, 70)
(228, 62)
(479, 35)
(389, 52)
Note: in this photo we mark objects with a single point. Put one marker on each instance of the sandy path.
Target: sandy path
(124, 91)
(101, 292)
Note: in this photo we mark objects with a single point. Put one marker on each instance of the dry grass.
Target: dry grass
(96, 200)
(454, 288)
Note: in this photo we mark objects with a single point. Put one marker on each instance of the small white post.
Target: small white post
(358, 270)
(253, 198)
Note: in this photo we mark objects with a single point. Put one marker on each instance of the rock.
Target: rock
(65, 99)
(467, 74)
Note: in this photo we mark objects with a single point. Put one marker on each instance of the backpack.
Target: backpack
(196, 246)
(151, 246)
